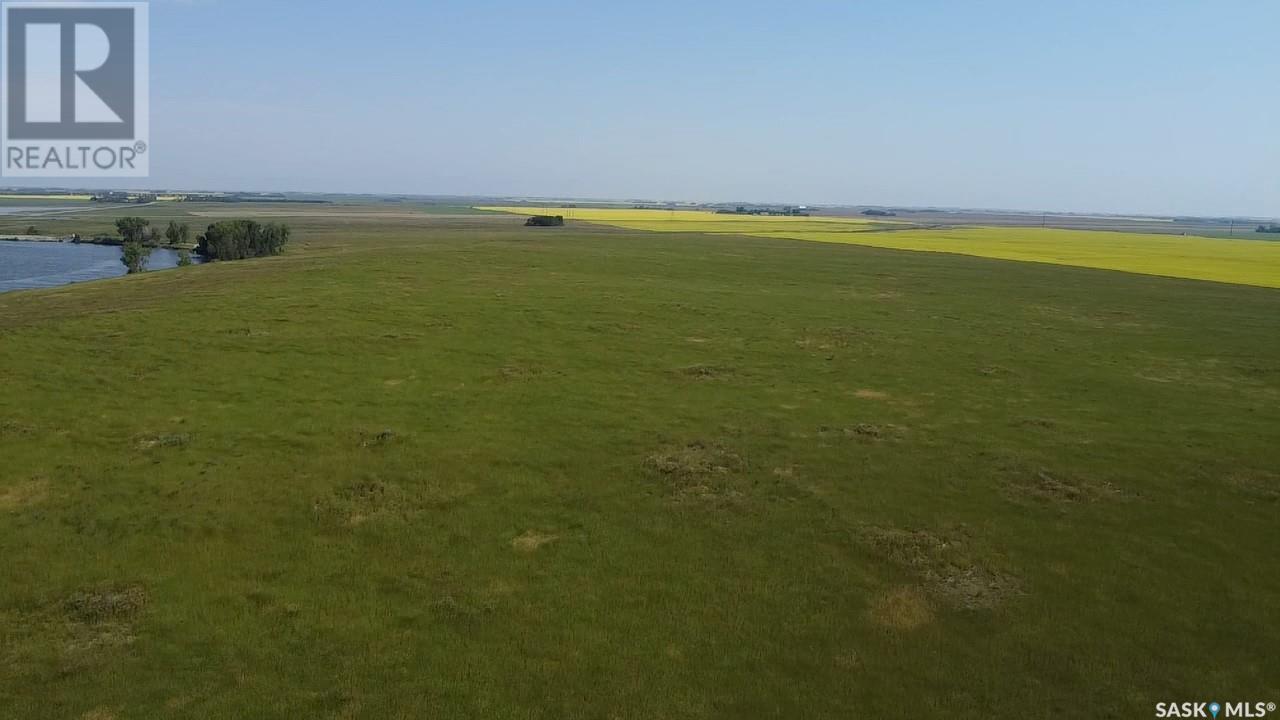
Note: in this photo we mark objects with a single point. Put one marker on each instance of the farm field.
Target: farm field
(1246, 262)
(24, 199)
(442, 465)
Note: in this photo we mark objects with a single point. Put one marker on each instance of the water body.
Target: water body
(31, 265)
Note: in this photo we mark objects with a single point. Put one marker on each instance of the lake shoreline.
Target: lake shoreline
(73, 240)
(42, 265)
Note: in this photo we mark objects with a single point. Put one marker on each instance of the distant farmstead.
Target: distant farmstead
(786, 211)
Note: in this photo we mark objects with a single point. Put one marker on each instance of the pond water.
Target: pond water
(30, 265)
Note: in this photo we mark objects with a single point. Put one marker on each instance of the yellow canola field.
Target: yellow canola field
(1243, 262)
(5, 196)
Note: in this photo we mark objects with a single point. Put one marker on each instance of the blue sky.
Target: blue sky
(1132, 106)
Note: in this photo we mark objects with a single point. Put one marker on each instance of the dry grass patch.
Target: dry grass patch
(24, 494)
(1259, 484)
(849, 660)
(99, 620)
(697, 459)
(946, 565)
(165, 440)
(871, 395)
(532, 541)
(85, 631)
(515, 373)
(903, 608)
(372, 500)
(705, 372)
(863, 432)
(13, 428)
(362, 501)
(1042, 486)
(381, 438)
(105, 604)
(699, 470)
(836, 338)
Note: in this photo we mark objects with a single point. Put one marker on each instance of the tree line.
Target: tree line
(227, 240)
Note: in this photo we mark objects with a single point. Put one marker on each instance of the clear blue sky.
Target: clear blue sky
(1165, 106)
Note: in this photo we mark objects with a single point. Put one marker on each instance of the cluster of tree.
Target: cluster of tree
(241, 239)
(879, 213)
(139, 239)
(230, 240)
(1269, 228)
(136, 230)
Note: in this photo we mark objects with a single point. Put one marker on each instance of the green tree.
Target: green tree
(240, 239)
(33, 230)
(184, 257)
(134, 257)
(133, 229)
(178, 235)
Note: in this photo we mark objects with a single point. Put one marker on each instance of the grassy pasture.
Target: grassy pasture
(446, 466)
(1246, 262)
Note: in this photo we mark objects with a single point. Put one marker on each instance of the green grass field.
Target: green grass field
(445, 466)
